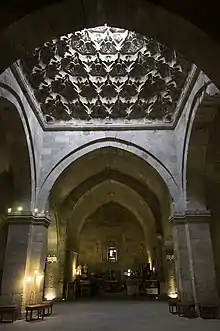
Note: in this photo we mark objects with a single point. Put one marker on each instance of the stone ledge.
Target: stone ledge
(26, 218)
(191, 217)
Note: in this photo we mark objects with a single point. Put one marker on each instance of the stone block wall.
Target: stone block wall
(106, 228)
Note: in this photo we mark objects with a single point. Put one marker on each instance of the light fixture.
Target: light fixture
(9, 210)
(35, 210)
(170, 257)
(50, 295)
(173, 295)
(19, 208)
(112, 254)
(51, 259)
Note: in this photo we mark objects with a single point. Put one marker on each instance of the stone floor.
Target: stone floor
(113, 316)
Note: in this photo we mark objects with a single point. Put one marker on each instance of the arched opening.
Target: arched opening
(200, 122)
(116, 183)
(202, 166)
(211, 183)
(15, 155)
(15, 170)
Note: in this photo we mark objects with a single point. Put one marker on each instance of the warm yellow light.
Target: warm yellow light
(79, 270)
(149, 259)
(50, 295)
(172, 291)
(9, 210)
(39, 278)
(172, 295)
(73, 272)
(28, 279)
(52, 258)
(19, 208)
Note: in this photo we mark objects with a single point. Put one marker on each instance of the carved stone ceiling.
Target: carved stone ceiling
(106, 74)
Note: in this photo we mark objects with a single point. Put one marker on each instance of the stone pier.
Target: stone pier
(195, 269)
(23, 275)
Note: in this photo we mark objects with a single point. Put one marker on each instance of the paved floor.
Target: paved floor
(113, 316)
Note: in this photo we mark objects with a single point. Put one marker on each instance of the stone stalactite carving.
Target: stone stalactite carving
(106, 73)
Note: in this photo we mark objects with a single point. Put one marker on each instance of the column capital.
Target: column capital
(191, 217)
(28, 219)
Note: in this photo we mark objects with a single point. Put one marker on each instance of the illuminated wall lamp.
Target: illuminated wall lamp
(50, 295)
(51, 259)
(19, 208)
(9, 210)
(173, 295)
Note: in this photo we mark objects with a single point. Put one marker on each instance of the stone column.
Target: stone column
(61, 266)
(24, 263)
(160, 258)
(52, 289)
(195, 270)
(170, 268)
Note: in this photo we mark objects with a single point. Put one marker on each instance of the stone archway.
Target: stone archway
(18, 160)
(20, 143)
(108, 191)
(82, 182)
(159, 172)
(197, 221)
(16, 182)
(211, 182)
(199, 127)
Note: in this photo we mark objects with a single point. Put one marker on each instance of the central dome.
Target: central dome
(106, 73)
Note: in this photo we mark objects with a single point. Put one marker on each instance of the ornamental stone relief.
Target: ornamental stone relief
(106, 73)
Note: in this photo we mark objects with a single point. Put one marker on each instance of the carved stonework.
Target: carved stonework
(106, 73)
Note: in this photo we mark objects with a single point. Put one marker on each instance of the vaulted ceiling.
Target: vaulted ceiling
(107, 74)
(111, 175)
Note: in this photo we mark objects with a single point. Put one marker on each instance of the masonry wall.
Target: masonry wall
(110, 227)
